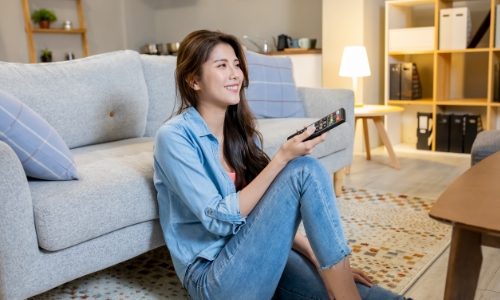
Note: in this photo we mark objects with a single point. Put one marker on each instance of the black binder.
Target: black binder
(473, 126)
(443, 132)
(395, 82)
(457, 133)
(424, 131)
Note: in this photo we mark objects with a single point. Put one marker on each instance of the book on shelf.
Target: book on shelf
(457, 133)
(472, 127)
(480, 31)
(454, 28)
(395, 82)
(442, 132)
(424, 131)
(404, 82)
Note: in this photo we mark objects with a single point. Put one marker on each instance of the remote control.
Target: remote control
(323, 125)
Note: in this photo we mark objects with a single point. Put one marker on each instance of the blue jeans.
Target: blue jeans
(258, 263)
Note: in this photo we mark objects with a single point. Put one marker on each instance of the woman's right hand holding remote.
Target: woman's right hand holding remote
(292, 148)
(295, 146)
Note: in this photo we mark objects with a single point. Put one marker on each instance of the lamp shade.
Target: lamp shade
(354, 62)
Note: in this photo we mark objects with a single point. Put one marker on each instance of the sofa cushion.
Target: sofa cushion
(88, 101)
(276, 131)
(271, 91)
(38, 146)
(115, 190)
(159, 73)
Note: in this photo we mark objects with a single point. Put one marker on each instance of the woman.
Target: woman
(229, 213)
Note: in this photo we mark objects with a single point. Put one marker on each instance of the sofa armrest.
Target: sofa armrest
(485, 144)
(318, 102)
(18, 241)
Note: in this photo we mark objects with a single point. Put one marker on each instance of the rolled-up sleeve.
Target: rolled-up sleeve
(179, 162)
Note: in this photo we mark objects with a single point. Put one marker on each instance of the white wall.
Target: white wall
(263, 18)
(355, 23)
(139, 23)
(13, 46)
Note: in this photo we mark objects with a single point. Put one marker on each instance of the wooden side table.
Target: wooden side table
(470, 204)
(375, 113)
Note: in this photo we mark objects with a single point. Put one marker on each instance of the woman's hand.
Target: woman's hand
(361, 277)
(358, 276)
(294, 147)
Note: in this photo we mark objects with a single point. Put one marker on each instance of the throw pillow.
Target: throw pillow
(271, 91)
(41, 150)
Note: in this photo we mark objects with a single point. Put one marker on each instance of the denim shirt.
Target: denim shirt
(198, 204)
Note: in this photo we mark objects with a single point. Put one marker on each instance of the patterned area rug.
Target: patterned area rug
(393, 240)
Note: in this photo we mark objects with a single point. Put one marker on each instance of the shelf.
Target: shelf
(453, 80)
(464, 102)
(464, 50)
(413, 52)
(59, 30)
(411, 102)
(409, 2)
(30, 30)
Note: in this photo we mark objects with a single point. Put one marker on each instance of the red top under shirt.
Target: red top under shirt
(232, 176)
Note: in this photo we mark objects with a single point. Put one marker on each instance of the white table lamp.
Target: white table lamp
(355, 64)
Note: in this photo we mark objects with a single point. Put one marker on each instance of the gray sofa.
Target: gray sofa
(107, 109)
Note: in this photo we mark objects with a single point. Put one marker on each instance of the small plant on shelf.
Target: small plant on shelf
(46, 55)
(43, 17)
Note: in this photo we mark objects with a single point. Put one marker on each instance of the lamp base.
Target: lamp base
(358, 104)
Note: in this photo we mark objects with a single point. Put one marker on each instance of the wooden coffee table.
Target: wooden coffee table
(471, 205)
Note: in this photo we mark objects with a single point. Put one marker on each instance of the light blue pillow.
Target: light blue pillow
(41, 150)
(271, 91)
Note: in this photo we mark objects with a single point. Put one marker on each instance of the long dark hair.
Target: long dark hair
(240, 147)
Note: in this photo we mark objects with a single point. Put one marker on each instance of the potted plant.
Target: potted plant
(43, 17)
(46, 55)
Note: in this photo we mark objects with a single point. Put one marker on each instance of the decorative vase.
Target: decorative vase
(46, 58)
(44, 24)
(67, 25)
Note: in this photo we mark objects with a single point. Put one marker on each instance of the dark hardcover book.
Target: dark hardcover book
(496, 97)
(473, 126)
(424, 131)
(457, 133)
(443, 132)
(480, 31)
(395, 82)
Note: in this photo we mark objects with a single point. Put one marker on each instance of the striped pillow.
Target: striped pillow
(271, 91)
(41, 150)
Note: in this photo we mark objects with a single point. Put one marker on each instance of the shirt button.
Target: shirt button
(209, 212)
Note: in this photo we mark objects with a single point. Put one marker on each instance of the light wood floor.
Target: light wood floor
(425, 174)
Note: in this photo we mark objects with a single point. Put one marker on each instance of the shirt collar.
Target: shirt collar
(200, 128)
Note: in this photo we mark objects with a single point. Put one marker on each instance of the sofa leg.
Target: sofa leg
(338, 180)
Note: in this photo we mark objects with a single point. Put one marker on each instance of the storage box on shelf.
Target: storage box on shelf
(454, 80)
